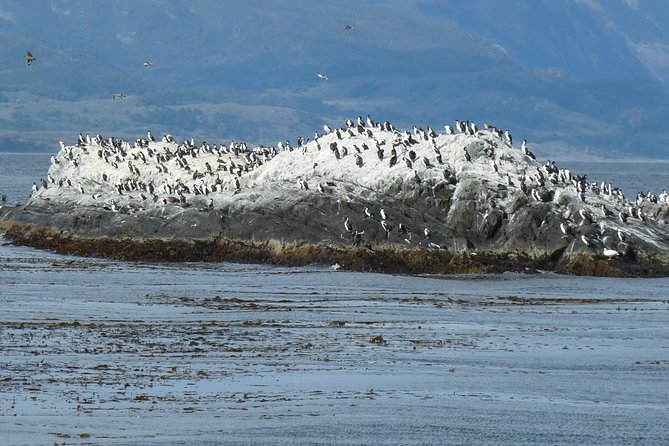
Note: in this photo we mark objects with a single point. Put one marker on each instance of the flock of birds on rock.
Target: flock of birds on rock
(534, 186)
(126, 165)
(129, 177)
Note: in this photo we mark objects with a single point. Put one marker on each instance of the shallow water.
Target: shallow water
(246, 354)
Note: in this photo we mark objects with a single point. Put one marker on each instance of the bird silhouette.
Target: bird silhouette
(30, 58)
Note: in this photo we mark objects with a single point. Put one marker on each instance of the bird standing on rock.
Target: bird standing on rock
(508, 138)
(611, 253)
(347, 225)
(386, 227)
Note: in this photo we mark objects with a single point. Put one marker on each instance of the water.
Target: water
(106, 352)
(139, 353)
(18, 172)
(631, 177)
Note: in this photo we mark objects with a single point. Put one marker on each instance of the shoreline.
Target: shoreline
(229, 354)
(378, 258)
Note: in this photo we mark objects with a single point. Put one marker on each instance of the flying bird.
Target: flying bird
(322, 76)
(349, 28)
(30, 58)
(118, 95)
(147, 64)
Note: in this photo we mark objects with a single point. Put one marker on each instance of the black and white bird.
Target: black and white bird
(147, 64)
(386, 227)
(357, 237)
(30, 58)
(508, 138)
(347, 225)
(526, 150)
(322, 76)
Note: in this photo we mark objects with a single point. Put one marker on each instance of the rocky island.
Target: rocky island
(365, 196)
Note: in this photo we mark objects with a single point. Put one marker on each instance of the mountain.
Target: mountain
(577, 78)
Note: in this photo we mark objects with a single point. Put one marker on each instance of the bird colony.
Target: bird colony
(462, 188)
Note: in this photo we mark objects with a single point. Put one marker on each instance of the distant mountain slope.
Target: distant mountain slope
(569, 75)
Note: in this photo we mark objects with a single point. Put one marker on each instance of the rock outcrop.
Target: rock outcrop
(363, 184)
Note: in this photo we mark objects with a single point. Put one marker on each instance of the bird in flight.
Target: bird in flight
(118, 95)
(30, 58)
(148, 63)
(349, 28)
(322, 76)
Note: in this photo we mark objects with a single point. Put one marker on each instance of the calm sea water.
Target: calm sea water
(209, 354)
(631, 177)
(140, 353)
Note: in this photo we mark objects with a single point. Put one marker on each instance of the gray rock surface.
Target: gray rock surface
(471, 191)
